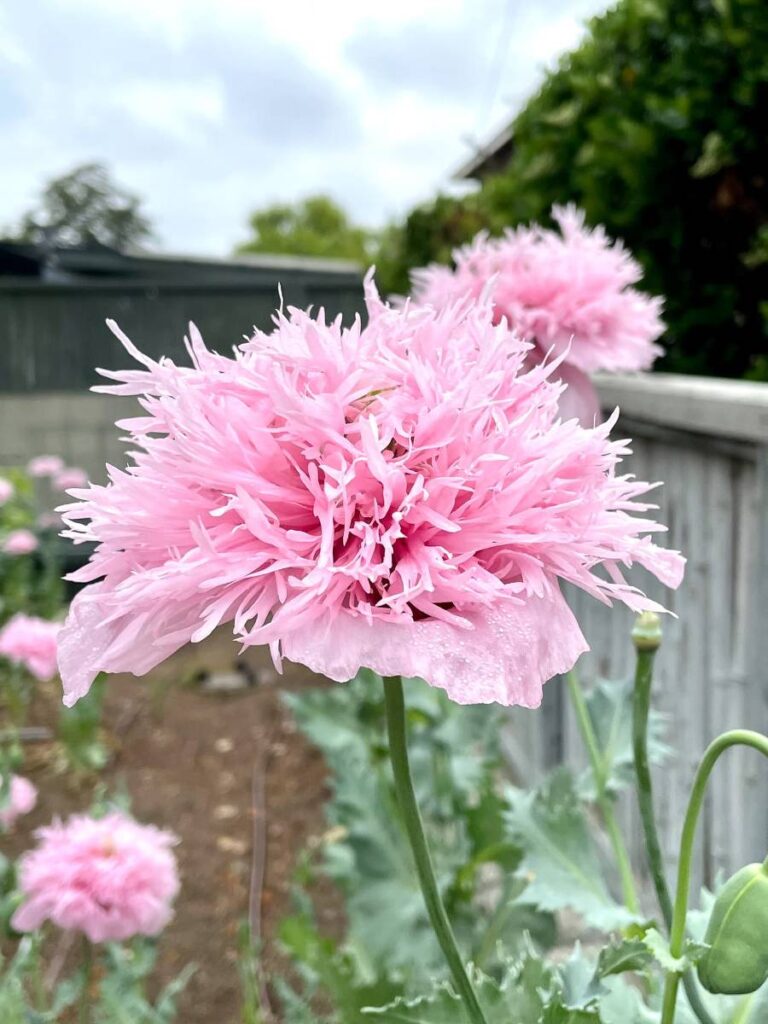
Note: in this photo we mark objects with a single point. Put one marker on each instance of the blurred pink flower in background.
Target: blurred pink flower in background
(401, 497)
(21, 799)
(32, 643)
(48, 521)
(109, 878)
(569, 292)
(20, 542)
(7, 490)
(69, 478)
(45, 465)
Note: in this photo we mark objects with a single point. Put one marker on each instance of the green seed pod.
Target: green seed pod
(737, 961)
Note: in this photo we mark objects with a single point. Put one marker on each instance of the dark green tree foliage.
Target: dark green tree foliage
(315, 226)
(429, 234)
(656, 126)
(84, 207)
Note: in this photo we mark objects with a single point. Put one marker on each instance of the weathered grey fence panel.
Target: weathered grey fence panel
(708, 441)
(52, 335)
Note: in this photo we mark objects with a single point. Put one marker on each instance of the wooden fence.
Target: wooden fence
(52, 334)
(708, 441)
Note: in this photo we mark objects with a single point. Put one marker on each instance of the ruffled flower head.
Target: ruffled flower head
(570, 292)
(109, 878)
(20, 799)
(401, 496)
(31, 643)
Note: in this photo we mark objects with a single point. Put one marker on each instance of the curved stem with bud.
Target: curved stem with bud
(736, 737)
(646, 637)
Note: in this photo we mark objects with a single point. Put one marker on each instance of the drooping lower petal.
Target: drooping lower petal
(91, 642)
(506, 655)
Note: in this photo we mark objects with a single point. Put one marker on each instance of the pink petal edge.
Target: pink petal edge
(508, 655)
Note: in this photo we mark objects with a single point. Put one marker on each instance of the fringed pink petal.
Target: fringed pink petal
(90, 642)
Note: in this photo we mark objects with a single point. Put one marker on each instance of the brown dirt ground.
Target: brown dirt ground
(201, 764)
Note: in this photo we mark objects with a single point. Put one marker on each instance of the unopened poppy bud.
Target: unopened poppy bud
(737, 961)
(646, 633)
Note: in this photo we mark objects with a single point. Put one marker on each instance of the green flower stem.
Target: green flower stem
(742, 1014)
(504, 910)
(641, 705)
(736, 737)
(604, 801)
(398, 752)
(647, 638)
(38, 984)
(84, 1009)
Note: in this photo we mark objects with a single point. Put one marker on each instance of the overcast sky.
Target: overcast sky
(210, 108)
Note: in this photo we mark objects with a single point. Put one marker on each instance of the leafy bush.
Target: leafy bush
(429, 234)
(313, 226)
(29, 583)
(655, 126)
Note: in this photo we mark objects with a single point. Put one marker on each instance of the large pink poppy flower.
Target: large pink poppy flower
(401, 496)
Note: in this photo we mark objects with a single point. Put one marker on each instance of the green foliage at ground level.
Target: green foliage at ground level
(507, 860)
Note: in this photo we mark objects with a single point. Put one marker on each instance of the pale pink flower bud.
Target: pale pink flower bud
(7, 490)
(45, 465)
(70, 478)
(20, 542)
(22, 797)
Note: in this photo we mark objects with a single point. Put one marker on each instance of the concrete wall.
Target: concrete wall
(52, 334)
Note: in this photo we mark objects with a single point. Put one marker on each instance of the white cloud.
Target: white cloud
(179, 108)
(210, 108)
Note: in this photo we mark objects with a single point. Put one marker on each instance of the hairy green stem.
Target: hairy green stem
(604, 801)
(398, 752)
(84, 1010)
(647, 638)
(647, 644)
(736, 737)
(37, 982)
(641, 704)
